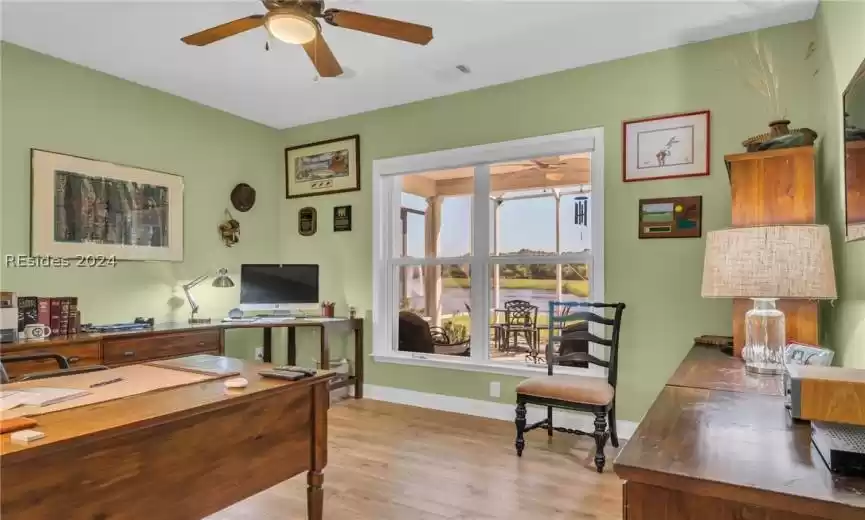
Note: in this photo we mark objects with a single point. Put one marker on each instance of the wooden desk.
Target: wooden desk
(718, 444)
(709, 368)
(178, 454)
(167, 340)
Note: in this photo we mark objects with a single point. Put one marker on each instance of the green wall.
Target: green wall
(840, 30)
(659, 280)
(54, 105)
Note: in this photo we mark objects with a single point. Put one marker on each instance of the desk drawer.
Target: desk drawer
(118, 351)
(78, 355)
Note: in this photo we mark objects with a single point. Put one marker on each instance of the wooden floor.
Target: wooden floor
(393, 462)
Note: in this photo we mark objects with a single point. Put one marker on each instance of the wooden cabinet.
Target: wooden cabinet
(855, 181)
(78, 355)
(657, 503)
(162, 342)
(775, 187)
(119, 351)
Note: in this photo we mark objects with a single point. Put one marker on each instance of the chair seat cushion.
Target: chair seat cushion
(573, 389)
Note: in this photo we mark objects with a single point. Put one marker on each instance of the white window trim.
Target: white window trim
(385, 329)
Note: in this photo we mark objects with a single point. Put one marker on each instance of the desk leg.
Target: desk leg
(358, 362)
(267, 337)
(315, 495)
(318, 458)
(292, 347)
(325, 350)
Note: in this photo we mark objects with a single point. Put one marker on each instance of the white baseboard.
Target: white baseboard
(488, 409)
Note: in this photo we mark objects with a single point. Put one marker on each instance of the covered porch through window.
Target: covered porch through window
(539, 214)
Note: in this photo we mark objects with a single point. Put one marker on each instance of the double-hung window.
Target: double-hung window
(470, 245)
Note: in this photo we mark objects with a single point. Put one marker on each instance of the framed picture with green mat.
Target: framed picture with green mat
(672, 217)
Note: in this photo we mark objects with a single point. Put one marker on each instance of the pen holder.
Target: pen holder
(327, 309)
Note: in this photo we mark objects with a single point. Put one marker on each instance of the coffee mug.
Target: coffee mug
(36, 331)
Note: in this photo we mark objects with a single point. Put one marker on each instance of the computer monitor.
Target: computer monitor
(278, 287)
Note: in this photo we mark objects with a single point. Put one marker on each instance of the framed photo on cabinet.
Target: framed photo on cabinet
(323, 168)
(666, 147)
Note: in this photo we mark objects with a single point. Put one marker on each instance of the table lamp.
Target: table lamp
(765, 264)
(222, 280)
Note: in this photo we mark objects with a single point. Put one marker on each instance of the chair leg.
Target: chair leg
(600, 440)
(521, 427)
(550, 421)
(614, 437)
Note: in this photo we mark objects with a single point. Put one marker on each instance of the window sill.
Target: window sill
(489, 367)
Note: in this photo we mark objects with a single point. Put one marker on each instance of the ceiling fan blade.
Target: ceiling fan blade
(322, 57)
(387, 27)
(214, 34)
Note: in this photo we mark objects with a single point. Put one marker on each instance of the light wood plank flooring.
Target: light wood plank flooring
(393, 462)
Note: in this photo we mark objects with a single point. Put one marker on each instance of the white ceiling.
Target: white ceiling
(499, 40)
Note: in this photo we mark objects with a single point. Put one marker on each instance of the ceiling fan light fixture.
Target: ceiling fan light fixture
(291, 26)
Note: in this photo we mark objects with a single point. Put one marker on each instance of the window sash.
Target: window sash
(388, 237)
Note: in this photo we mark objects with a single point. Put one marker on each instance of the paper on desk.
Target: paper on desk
(38, 396)
(136, 379)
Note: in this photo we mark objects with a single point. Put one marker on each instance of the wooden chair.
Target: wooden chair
(573, 392)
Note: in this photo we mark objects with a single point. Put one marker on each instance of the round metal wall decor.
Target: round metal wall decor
(243, 197)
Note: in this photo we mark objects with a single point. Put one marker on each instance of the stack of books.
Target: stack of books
(59, 314)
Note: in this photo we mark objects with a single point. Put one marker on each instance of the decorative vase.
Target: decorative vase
(778, 128)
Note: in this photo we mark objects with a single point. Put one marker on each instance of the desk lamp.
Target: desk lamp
(765, 264)
(222, 281)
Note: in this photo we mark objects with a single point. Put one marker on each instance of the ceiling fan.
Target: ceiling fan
(294, 21)
(550, 165)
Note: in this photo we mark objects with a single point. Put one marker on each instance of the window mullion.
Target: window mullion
(480, 276)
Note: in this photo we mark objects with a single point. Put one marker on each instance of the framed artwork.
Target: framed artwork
(666, 147)
(672, 217)
(89, 208)
(323, 168)
(342, 218)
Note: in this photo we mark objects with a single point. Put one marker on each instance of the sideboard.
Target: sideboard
(719, 444)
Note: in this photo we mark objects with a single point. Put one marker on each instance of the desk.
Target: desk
(167, 340)
(718, 444)
(177, 454)
(326, 327)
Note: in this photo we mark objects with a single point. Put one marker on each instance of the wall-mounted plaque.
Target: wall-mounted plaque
(342, 218)
(307, 222)
(673, 217)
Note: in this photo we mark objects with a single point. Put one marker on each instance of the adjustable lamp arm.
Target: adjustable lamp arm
(189, 297)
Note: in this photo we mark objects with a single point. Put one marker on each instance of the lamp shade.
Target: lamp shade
(769, 262)
(222, 279)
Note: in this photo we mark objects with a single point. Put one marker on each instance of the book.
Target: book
(28, 311)
(43, 306)
(54, 316)
(63, 329)
(74, 316)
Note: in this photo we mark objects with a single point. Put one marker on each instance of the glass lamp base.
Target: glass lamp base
(764, 369)
(765, 338)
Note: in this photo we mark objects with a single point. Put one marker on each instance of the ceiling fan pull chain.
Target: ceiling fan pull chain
(315, 58)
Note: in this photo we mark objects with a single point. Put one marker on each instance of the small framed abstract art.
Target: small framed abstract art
(85, 208)
(666, 147)
(673, 217)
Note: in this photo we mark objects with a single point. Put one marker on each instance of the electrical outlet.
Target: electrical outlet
(495, 389)
(259, 353)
